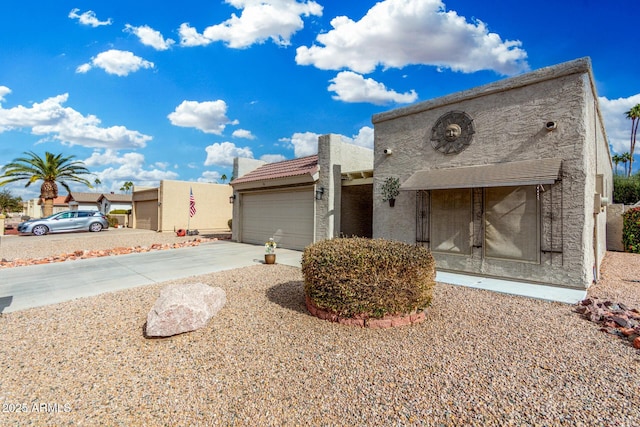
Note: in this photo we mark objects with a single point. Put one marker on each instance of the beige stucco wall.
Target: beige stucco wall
(614, 227)
(334, 158)
(509, 118)
(213, 209)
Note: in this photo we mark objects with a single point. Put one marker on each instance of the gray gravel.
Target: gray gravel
(480, 358)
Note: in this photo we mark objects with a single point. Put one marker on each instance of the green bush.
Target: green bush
(113, 221)
(120, 212)
(626, 189)
(229, 223)
(368, 277)
(631, 230)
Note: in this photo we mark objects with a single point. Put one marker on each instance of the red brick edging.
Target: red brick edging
(365, 322)
(103, 252)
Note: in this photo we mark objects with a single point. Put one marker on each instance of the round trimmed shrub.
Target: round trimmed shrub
(368, 278)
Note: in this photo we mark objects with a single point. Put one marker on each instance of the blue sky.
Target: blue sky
(142, 91)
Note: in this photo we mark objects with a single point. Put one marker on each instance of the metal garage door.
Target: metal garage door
(285, 215)
(147, 215)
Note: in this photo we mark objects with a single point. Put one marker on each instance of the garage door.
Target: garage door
(285, 215)
(147, 215)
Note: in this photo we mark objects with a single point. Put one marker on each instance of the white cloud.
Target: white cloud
(150, 37)
(210, 176)
(352, 87)
(616, 123)
(304, 143)
(364, 138)
(259, 21)
(397, 33)
(68, 126)
(208, 116)
(190, 37)
(243, 133)
(4, 91)
(88, 18)
(162, 165)
(222, 154)
(118, 62)
(126, 167)
(272, 158)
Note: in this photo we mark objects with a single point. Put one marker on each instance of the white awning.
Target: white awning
(527, 172)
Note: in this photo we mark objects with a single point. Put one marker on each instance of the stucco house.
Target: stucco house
(166, 208)
(34, 208)
(83, 201)
(508, 180)
(108, 202)
(300, 201)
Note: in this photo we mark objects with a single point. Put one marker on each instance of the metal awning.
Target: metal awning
(527, 172)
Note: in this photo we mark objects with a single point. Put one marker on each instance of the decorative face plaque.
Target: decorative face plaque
(452, 133)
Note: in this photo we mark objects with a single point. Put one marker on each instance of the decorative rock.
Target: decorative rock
(614, 318)
(184, 308)
(100, 253)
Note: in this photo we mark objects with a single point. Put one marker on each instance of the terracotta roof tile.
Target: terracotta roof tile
(58, 201)
(284, 169)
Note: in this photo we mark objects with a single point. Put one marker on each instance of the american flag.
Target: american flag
(192, 203)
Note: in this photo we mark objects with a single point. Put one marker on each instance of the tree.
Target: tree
(9, 202)
(616, 159)
(634, 115)
(626, 158)
(126, 186)
(223, 178)
(53, 169)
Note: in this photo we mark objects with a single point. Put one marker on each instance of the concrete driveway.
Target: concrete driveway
(39, 285)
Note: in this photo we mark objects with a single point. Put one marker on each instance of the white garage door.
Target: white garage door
(285, 215)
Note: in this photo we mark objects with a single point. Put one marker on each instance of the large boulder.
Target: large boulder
(184, 308)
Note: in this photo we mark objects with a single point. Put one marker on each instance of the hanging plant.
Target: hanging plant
(390, 189)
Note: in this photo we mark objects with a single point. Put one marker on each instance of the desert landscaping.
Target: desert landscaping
(478, 358)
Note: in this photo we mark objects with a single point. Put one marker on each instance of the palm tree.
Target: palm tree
(223, 177)
(616, 159)
(634, 115)
(126, 187)
(625, 158)
(51, 170)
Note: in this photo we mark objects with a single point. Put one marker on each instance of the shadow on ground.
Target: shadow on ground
(5, 302)
(289, 295)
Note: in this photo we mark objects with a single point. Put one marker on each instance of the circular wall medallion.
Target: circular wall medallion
(452, 133)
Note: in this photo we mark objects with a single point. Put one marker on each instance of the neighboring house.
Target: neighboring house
(111, 202)
(300, 201)
(508, 180)
(167, 208)
(83, 201)
(34, 208)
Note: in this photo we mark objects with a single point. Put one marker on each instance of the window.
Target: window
(512, 222)
(451, 221)
(67, 215)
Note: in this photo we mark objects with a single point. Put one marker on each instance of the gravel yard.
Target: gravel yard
(480, 358)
